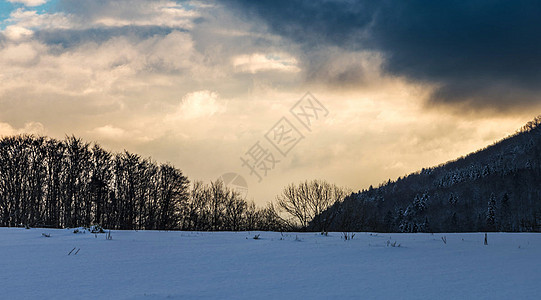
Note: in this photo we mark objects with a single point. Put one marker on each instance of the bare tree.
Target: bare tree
(309, 199)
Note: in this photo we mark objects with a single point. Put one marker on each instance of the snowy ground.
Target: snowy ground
(210, 265)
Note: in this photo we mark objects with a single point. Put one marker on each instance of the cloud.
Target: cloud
(16, 33)
(29, 128)
(482, 54)
(25, 54)
(31, 19)
(29, 2)
(339, 68)
(82, 21)
(197, 105)
(122, 13)
(109, 132)
(259, 62)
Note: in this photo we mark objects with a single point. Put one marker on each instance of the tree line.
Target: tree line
(70, 183)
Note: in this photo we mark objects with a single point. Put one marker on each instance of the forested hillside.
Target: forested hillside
(494, 189)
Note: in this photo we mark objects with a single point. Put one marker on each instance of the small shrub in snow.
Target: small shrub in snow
(393, 244)
(46, 235)
(96, 229)
(256, 237)
(348, 236)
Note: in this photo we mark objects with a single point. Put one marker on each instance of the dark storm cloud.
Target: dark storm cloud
(485, 53)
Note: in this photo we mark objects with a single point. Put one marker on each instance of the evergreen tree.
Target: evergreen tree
(388, 221)
(491, 213)
(505, 214)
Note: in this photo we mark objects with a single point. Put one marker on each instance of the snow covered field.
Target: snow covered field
(232, 265)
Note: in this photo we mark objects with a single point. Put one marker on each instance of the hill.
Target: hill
(497, 188)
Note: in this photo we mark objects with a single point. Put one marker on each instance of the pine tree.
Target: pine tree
(491, 213)
(453, 199)
(419, 203)
(388, 221)
(505, 214)
(426, 225)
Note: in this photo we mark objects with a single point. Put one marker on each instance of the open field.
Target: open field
(233, 265)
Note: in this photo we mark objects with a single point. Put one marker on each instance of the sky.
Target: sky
(352, 92)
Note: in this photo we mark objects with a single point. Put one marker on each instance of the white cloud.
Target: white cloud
(159, 13)
(258, 62)
(29, 2)
(17, 33)
(200, 104)
(107, 14)
(119, 13)
(22, 17)
(109, 132)
(6, 129)
(20, 54)
(30, 128)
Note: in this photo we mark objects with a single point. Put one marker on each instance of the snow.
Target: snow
(233, 265)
